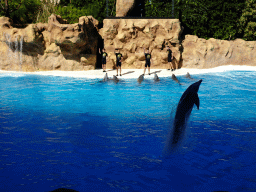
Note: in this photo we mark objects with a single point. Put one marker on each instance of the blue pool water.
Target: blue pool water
(61, 132)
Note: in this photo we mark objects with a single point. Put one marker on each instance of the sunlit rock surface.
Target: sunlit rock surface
(57, 45)
(123, 7)
(49, 46)
(202, 53)
(132, 35)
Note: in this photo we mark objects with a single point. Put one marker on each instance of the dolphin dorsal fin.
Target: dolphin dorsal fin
(197, 102)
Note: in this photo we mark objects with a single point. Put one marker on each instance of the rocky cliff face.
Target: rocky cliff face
(132, 35)
(49, 46)
(201, 53)
(59, 46)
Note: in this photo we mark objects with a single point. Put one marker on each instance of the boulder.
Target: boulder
(130, 8)
(5, 22)
(123, 7)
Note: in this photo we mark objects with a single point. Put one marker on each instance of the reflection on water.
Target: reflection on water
(81, 134)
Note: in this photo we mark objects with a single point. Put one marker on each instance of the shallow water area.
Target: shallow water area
(82, 134)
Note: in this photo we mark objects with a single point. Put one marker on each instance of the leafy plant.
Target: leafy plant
(45, 10)
(8, 8)
(71, 13)
(72, 10)
(21, 11)
(247, 22)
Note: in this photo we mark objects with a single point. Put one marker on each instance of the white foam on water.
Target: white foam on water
(11, 74)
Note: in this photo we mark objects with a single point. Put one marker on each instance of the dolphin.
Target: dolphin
(156, 78)
(141, 78)
(105, 78)
(188, 75)
(115, 79)
(175, 79)
(183, 111)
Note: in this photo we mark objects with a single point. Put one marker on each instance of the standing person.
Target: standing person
(104, 59)
(170, 58)
(148, 61)
(119, 57)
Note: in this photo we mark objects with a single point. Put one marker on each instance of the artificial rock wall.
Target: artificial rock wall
(59, 46)
(132, 35)
(49, 46)
(202, 53)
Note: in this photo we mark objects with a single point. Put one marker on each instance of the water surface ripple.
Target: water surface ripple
(77, 133)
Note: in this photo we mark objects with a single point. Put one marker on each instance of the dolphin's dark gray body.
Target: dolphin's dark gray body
(156, 78)
(175, 79)
(183, 111)
(141, 78)
(188, 76)
(105, 78)
(115, 79)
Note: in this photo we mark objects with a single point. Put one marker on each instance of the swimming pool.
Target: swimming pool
(77, 133)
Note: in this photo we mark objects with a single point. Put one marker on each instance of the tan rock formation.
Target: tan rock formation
(123, 6)
(57, 45)
(201, 53)
(51, 46)
(132, 35)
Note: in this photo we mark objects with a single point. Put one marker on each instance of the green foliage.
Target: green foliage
(247, 22)
(97, 8)
(70, 13)
(156, 8)
(218, 19)
(206, 19)
(25, 14)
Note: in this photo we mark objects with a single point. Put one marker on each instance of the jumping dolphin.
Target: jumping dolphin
(115, 79)
(183, 111)
(141, 78)
(175, 79)
(156, 78)
(188, 75)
